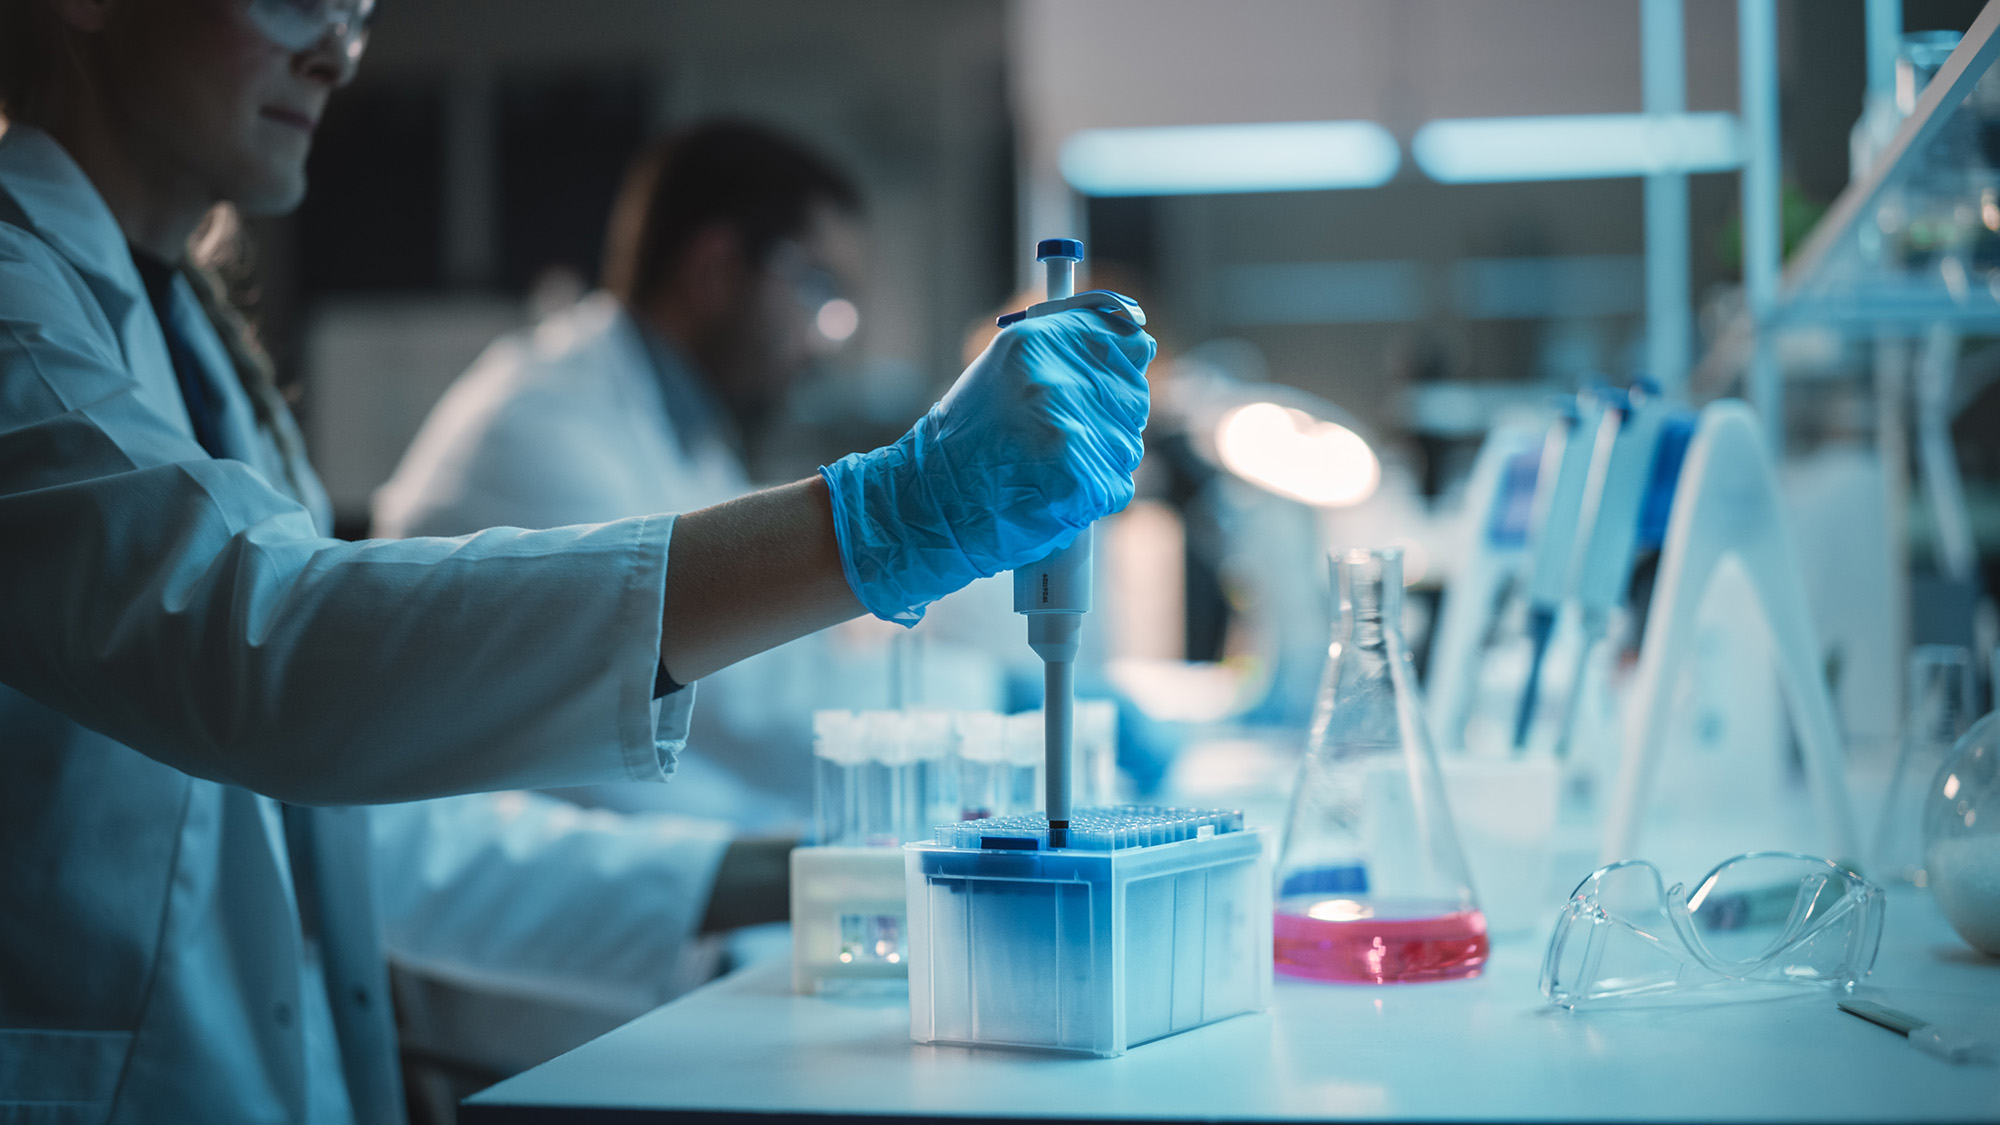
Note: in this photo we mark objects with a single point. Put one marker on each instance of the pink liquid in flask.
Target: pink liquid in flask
(1374, 942)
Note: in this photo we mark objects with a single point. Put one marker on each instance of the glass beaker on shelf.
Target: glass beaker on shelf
(1371, 883)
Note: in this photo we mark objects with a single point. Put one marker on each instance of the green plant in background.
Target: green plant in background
(1798, 213)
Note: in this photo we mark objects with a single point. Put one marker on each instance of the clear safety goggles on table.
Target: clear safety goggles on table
(1760, 918)
(299, 25)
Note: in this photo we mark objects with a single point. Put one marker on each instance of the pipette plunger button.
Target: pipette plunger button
(1068, 248)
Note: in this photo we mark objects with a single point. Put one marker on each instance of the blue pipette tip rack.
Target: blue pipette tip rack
(1149, 922)
(1058, 248)
(1095, 830)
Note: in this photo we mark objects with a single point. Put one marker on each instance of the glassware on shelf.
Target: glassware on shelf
(1961, 832)
(1371, 883)
(1940, 706)
(1926, 247)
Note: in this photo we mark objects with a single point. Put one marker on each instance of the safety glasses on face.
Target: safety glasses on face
(820, 293)
(1760, 918)
(811, 280)
(300, 25)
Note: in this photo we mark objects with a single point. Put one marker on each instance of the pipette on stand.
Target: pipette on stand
(1055, 592)
(1648, 428)
(1567, 462)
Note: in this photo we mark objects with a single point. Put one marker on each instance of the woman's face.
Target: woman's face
(211, 104)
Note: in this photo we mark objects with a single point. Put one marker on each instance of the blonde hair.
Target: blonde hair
(218, 252)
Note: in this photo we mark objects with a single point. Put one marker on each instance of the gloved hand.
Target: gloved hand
(1036, 440)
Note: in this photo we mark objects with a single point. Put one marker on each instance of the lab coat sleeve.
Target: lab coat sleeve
(496, 452)
(186, 608)
(533, 886)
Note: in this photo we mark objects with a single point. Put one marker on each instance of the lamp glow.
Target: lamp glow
(837, 319)
(1216, 159)
(1296, 455)
(1582, 147)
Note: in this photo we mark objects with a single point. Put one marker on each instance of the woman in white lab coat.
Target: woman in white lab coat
(182, 644)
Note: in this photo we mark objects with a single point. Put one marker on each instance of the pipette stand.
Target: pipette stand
(1726, 504)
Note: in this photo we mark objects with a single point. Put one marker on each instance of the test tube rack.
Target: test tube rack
(1145, 923)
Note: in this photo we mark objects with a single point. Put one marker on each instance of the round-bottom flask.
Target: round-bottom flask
(1961, 828)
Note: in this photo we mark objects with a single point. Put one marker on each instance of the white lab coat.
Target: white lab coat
(178, 636)
(571, 421)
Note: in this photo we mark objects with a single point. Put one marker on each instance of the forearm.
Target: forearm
(749, 575)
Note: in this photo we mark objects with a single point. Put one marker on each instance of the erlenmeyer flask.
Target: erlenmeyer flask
(1371, 885)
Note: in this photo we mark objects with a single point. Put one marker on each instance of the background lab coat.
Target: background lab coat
(178, 633)
(567, 422)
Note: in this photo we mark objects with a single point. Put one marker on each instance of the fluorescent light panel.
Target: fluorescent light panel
(1323, 292)
(1217, 159)
(1588, 147)
(1397, 290)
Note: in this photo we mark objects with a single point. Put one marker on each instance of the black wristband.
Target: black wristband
(664, 684)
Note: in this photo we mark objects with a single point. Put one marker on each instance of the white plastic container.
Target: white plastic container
(1091, 949)
(848, 921)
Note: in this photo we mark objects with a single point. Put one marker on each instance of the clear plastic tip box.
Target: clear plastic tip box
(1151, 922)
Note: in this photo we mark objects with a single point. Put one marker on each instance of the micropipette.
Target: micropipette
(1055, 592)
(1605, 565)
(1568, 461)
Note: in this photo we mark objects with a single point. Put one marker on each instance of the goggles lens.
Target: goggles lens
(299, 25)
(1766, 917)
(812, 282)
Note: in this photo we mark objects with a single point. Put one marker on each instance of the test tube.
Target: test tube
(929, 739)
(1097, 751)
(983, 771)
(1026, 742)
(837, 765)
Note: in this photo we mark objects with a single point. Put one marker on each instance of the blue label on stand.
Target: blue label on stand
(1349, 878)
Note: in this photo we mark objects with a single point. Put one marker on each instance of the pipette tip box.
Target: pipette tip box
(1150, 922)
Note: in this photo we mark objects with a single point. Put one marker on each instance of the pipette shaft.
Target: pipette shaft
(1061, 277)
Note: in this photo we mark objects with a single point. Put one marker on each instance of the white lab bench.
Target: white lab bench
(1487, 1049)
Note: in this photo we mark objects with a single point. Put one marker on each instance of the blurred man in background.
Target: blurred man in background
(726, 244)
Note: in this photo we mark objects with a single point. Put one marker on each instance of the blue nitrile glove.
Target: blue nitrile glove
(1036, 440)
